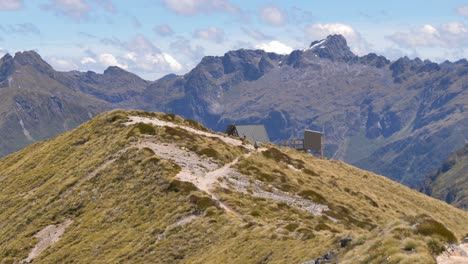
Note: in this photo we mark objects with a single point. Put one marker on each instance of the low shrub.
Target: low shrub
(179, 132)
(148, 152)
(430, 227)
(181, 186)
(291, 227)
(202, 202)
(146, 129)
(276, 155)
(313, 196)
(310, 172)
(435, 246)
(209, 152)
(410, 245)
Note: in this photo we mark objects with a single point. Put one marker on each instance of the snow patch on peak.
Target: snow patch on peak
(315, 44)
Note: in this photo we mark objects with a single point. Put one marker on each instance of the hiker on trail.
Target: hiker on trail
(245, 137)
(256, 145)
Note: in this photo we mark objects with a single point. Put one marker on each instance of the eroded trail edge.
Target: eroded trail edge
(205, 174)
(47, 237)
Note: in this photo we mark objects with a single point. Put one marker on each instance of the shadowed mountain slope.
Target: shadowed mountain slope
(400, 119)
(450, 181)
(38, 102)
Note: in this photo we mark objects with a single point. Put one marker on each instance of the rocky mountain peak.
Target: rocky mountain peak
(33, 59)
(6, 68)
(6, 57)
(114, 70)
(333, 47)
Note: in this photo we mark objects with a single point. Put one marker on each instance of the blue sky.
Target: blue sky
(154, 38)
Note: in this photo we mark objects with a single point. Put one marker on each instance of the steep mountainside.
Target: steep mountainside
(140, 187)
(450, 181)
(38, 102)
(400, 119)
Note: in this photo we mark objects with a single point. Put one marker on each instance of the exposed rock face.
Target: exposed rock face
(382, 116)
(400, 119)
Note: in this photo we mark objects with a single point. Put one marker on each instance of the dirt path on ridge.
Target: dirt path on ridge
(454, 255)
(205, 174)
(47, 237)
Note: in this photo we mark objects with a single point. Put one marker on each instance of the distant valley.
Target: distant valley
(401, 119)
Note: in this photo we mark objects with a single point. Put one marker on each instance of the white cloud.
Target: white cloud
(131, 56)
(195, 7)
(275, 46)
(163, 30)
(142, 56)
(142, 44)
(87, 60)
(463, 10)
(182, 46)
(355, 41)
(108, 59)
(21, 29)
(159, 62)
(449, 35)
(6, 5)
(255, 34)
(76, 9)
(320, 31)
(273, 15)
(212, 33)
(62, 64)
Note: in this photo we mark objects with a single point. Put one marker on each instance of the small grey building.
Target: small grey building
(249, 132)
(313, 141)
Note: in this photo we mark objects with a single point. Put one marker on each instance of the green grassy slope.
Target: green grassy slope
(127, 206)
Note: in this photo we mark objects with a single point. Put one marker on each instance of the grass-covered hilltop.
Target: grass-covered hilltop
(137, 187)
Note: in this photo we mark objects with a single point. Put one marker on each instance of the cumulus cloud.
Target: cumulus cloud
(142, 56)
(21, 29)
(463, 10)
(163, 30)
(212, 33)
(161, 59)
(88, 60)
(62, 64)
(272, 15)
(108, 59)
(8, 5)
(255, 34)
(449, 35)
(275, 46)
(77, 9)
(195, 7)
(184, 47)
(355, 41)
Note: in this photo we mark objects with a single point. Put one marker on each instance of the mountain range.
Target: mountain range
(401, 119)
(141, 187)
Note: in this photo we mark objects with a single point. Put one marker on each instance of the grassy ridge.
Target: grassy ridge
(127, 206)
